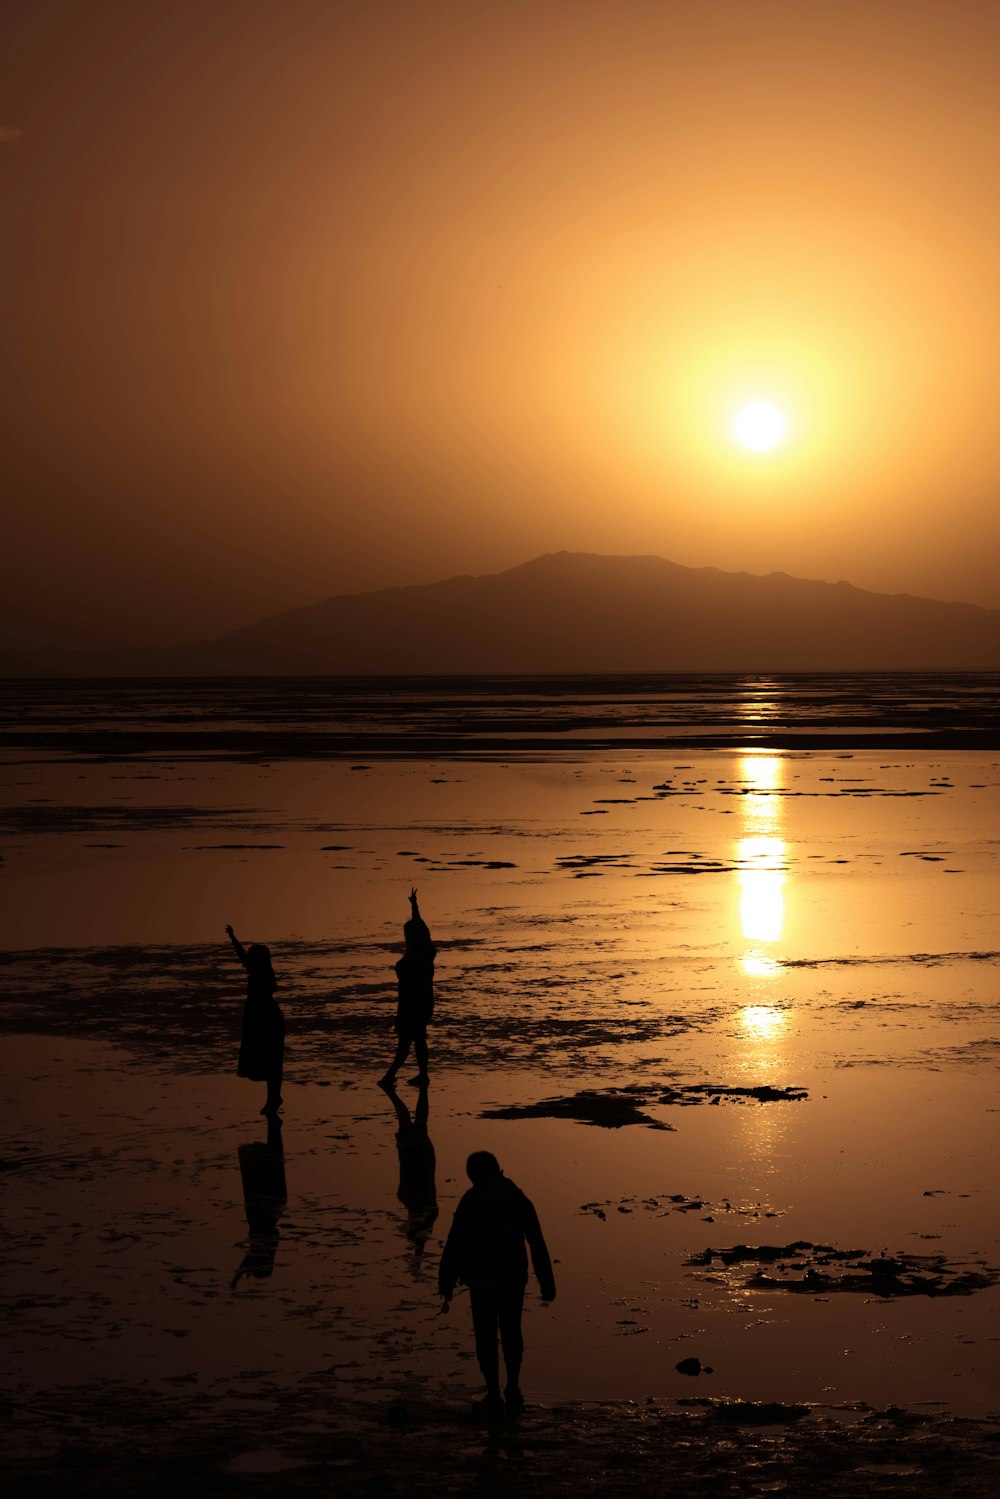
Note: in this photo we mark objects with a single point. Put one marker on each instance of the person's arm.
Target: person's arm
(540, 1261)
(238, 947)
(451, 1258)
(414, 908)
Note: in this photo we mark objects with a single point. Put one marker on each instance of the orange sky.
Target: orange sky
(306, 295)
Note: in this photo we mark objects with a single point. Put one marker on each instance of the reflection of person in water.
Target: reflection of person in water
(415, 974)
(486, 1250)
(262, 1041)
(417, 1189)
(262, 1167)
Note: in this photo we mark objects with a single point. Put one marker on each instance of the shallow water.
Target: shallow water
(655, 920)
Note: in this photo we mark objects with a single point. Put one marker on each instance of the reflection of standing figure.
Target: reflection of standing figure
(417, 1189)
(415, 973)
(262, 1167)
(262, 1040)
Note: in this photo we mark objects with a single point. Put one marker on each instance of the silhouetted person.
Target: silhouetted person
(417, 1189)
(262, 1167)
(262, 1039)
(415, 975)
(486, 1250)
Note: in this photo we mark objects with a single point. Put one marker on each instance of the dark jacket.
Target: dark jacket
(487, 1241)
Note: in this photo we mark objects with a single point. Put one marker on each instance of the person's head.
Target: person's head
(259, 959)
(483, 1167)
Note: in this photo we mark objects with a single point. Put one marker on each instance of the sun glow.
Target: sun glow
(759, 426)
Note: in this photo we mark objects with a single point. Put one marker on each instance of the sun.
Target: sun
(759, 426)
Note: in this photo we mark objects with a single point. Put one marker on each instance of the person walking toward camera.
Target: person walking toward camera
(494, 1227)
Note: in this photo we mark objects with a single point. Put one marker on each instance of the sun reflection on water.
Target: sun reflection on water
(763, 1022)
(761, 772)
(759, 965)
(761, 873)
(760, 702)
(762, 863)
(761, 877)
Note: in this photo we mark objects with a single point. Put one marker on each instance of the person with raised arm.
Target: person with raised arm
(415, 1003)
(262, 1038)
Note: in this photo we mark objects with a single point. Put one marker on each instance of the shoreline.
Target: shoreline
(154, 744)
(456, 717)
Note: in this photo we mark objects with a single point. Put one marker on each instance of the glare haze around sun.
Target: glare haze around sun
(759, 426)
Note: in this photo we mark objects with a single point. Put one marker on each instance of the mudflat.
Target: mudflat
(727, 1014)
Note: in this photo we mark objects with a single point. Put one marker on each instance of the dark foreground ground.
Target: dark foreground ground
(308, 1443)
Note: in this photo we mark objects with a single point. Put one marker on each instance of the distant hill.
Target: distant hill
(576, 612)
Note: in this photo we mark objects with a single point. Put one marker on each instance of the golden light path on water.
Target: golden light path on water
(762, 863)
(761, 857)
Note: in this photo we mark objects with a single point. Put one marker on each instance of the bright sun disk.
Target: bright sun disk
(759, 426)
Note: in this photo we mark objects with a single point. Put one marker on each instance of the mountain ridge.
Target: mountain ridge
(577, 612)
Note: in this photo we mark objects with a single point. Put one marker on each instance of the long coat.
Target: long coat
(262, 1039)
(415, 977)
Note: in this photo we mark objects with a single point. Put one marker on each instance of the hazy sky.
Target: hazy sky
(306, 295)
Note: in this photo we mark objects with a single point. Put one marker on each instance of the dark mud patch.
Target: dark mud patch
(915, 959)
(851, 791)
(624, 801)
(101, 1439)
(821, 1269)
(704, 866)
(663, 1204)
(885, 1004)
(613, 1108)
(118, 819)
(234, 847)
(583, 865)
(476, 864)
(692, 1093)
(747, 1412)
(607, 1110)
(981, 1051)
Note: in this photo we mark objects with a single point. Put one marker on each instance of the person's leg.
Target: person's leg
(484, 1324)
(509, 1308)
(402, 1047)
(420, 1052)
(273, 1103)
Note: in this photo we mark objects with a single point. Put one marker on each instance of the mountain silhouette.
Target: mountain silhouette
(569, 612)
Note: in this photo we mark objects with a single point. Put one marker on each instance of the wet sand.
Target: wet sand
(729, 1018)
(132, 1351)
